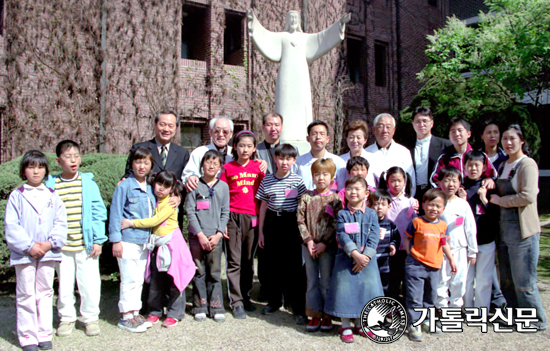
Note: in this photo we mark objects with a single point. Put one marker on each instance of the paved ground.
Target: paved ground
(276, 332)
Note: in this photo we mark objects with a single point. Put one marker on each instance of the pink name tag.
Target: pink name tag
(254, 222)
(443, 241)
(163, 224)
(382, 233)
(203, 205)
(291, 193)
(330, 211)
(459, 221)
(351, 228)
(410, 212)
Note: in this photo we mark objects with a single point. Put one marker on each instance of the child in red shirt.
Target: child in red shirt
(243, 177)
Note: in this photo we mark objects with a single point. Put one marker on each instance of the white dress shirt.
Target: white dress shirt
(395, 155)
(194, 164)
(302, 167)
(421, 154)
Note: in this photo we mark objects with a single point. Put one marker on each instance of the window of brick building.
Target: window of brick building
(194, 33)
(233, 39)
(354, 59)
(432, 3)
(191, 135)
(1, 17)
(380, 63)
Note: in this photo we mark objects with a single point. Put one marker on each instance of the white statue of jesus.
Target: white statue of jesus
(294, 50)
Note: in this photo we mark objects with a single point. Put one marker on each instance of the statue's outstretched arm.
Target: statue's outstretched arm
(319, 44)
(268, 43)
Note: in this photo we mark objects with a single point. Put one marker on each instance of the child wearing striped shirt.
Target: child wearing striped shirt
(279, 194)
(86, 216)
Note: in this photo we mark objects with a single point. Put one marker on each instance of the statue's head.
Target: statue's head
(292, 22)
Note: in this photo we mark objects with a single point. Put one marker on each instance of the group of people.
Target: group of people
(332, 232)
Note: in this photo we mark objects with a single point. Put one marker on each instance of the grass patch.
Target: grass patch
(544, 257)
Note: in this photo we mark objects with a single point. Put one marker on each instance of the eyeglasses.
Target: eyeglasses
(223, 132)
(70, 157)
(212, 163)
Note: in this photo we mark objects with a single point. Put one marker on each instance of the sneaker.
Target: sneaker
(238, 312)
(346, 334)
(200, 317)
(249, 306)
(219, 317)
(131, 325)
(313, 325)
(300, 319)
(30, 348)
(326, 324)
(151, 320)
(359, 331)
(45, 345)
(92, 329)
(65, 328)
(415, 334)
(140, 319)
(169, 322)
(426, 329)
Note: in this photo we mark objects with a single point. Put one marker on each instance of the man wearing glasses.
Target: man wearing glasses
(221, 131)
(426, 150)
(386, 153)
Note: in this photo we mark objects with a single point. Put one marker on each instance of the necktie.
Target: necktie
(163, 154)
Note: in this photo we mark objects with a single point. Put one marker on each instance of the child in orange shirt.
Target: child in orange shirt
(425, 243)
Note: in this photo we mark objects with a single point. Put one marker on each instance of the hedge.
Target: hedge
(106, 168)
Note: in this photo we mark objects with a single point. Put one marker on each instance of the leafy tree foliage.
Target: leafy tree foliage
(499, 68)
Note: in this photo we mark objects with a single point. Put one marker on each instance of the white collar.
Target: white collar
(30, 188)
(424, 141)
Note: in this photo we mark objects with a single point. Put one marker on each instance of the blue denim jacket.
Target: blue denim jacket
(131, 202)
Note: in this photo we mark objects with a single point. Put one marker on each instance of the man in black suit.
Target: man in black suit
(166, 124)
(427, 149)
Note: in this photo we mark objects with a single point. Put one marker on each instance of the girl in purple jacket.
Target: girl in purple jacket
(36, 230)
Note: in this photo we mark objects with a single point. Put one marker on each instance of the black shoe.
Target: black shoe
(46, 345)
(268, 309)
(249, 306)
(30, 348)
(493, 309)
(300, 320)
(238, 312)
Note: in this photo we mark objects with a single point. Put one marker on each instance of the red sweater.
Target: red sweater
(243, 182)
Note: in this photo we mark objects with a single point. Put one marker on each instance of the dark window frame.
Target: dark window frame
(380, 64)
(234, 38)
(354, 50)
(195, 45)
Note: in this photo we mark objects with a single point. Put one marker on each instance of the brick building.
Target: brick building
(97, 71)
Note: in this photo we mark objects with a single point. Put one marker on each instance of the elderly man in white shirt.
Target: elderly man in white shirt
(221, 131)
(386, 153)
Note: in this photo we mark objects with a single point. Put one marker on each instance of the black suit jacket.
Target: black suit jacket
(436, 146)
(175, 162)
